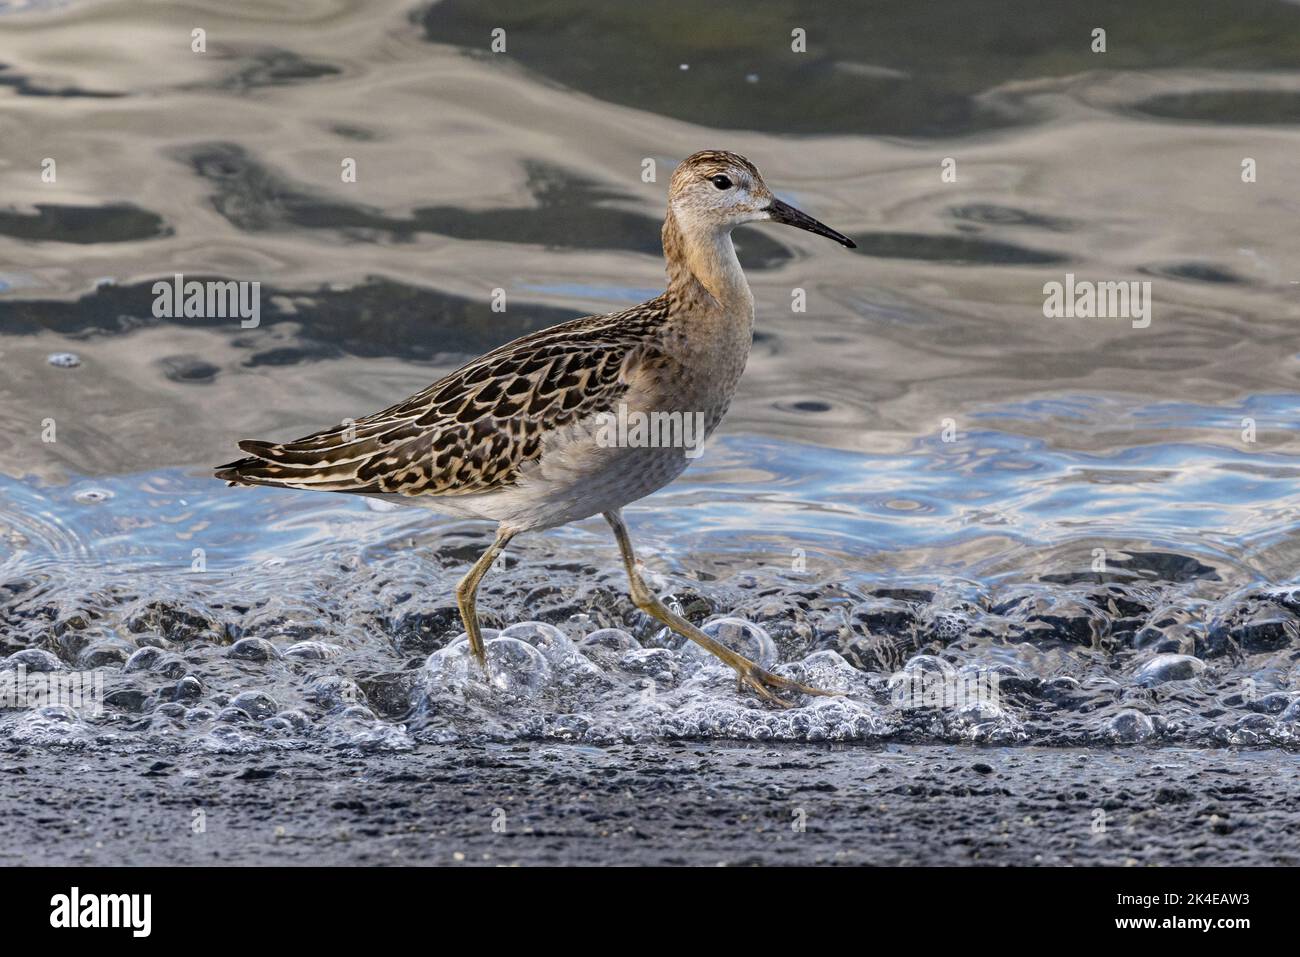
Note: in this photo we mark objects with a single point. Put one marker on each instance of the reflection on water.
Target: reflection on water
(568, 211)
(114, 223)
(889, 67)
(919, 459)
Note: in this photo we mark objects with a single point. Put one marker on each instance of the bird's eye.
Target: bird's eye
(721, 182)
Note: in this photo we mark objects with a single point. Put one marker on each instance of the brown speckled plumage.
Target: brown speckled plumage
(472, 430)
(517, 435)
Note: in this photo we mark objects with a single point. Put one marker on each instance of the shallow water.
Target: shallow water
(921, 475)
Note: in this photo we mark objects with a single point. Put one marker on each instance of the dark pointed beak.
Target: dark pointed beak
(785, 213)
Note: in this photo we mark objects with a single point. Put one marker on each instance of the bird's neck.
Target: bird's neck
(703, 268)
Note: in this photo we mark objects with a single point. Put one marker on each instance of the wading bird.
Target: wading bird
(517, 436)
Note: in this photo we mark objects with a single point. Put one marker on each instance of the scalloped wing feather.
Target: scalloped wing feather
(474, 429)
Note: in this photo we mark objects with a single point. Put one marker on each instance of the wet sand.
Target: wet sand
(683, 803)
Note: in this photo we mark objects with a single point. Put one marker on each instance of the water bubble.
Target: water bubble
(313, 651)
(984, 721)
(258, 705)
(356, 712)
(333, 691)
(92, 496)
(227, 739)
(295, 719)
(132, 700)
(452, 663)
(1129, 727)
(1164, 668)
(189, 688)
(1254, 729)
(1274, 703)
(199, 715)
(462, 640)
(571, 668)
(739, 635)
(569, 727)
(144, 659)
(929, 665)
(357, 728)
(172, 666)
(549, 640)
(49, 726)
(57, 714)
(103, 654)
(253, 649)
(657, 663)
(516, 667)
(829, 671)
(607, 645)
(513, 666)
(925, 681)
(32, 660)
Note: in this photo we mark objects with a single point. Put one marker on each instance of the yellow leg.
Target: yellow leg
(467, 593)
(751, 674)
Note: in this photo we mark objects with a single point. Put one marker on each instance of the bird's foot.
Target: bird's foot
(763, 681)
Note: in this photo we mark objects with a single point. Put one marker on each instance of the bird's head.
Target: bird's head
(716, 191)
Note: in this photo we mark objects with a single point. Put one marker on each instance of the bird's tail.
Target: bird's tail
(284, 466)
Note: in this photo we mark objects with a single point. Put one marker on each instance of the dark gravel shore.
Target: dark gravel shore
(676, 803)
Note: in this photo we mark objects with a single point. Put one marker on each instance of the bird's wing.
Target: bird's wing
(472, 430)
